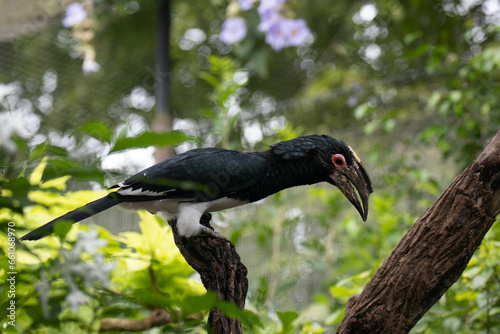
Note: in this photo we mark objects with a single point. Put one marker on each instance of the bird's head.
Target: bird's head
(348, 173)
(336, 164)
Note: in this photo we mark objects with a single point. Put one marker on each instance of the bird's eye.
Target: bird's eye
(339, 160)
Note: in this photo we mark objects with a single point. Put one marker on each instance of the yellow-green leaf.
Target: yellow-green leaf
(36, 175)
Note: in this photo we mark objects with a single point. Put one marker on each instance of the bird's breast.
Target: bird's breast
(224, 203)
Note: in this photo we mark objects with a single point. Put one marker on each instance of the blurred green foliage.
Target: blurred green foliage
(146, 268)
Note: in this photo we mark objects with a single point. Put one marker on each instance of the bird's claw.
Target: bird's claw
(207, 232)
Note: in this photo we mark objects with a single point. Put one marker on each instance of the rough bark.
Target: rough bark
(215, 259)
(433, 253)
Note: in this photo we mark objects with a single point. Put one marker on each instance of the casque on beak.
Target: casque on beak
(354, 177)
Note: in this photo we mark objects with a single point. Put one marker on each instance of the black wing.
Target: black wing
(199, 175)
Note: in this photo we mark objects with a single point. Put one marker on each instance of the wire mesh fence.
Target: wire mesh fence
(276, 257)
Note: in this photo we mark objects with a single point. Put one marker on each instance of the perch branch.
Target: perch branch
(433, 253)
(215, 259)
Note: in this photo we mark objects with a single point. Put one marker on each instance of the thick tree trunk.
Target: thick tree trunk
(215, 259)
(433, 253)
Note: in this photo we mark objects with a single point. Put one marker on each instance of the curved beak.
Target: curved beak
(349, 179)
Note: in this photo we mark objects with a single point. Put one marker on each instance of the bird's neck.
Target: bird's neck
(281, 174)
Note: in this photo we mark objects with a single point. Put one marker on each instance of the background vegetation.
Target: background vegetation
(412, 86)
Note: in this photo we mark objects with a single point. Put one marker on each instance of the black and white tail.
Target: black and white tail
(76, 215)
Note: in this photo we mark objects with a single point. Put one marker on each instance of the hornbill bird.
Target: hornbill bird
(211, 179)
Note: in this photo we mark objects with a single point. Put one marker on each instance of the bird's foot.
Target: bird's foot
(208, 232)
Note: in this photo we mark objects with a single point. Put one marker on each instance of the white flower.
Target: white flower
(99, 271)
(93, 272)
(88, 242)
(43, 289)
(96, 272)
(90, 66)
(76, 298)
(234, 30)
(74, 14)
(12, 123)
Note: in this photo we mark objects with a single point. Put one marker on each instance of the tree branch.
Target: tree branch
(433, 253)
(158, 317)
(215, 259)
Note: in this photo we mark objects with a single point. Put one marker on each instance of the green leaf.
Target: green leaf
(148, 139)
(60, 167)
(480, 280)
(389, 125)
(335, 317)
(287, 318)
(339, 291)
(409, 38)
(371, 126)
(245, 317)
(97, 129)
(39, 150)
(363, 110)
(467, 296)
(433, 101)
(196, 304)
(151, 298)
(62, 227)
(455, 96)
(56, 150)
(209, 78)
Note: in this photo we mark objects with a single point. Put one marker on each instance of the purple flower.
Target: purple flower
(233, 30)
(276, 35)
(280, 31)
(296, 31)
(74, 14)
(269, 11)
(287, 32)
(246, 4)
(268, 17)
(264, 4)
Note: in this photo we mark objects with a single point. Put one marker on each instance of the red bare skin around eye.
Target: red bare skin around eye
(339, 161)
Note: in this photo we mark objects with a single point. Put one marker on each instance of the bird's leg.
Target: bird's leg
(206, 230)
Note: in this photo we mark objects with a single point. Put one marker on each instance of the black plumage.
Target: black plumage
(198, 175)
(204, 180)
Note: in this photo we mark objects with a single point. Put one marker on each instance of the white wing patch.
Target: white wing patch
(141, 192)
